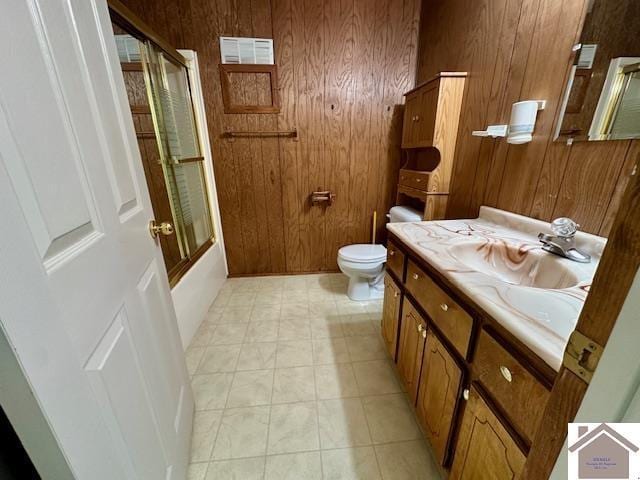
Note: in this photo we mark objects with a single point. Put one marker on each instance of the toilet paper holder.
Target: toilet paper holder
(322, 196)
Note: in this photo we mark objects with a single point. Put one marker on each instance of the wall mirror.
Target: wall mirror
(602, 95)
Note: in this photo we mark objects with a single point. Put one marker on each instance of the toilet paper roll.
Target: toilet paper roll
(404, 214)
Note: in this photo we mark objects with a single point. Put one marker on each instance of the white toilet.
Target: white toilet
(364, 263)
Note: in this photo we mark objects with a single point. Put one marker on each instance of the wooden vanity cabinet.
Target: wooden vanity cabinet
(438, 393)
(391, 315)
(485, 449)
(446, 342)
(413, 334)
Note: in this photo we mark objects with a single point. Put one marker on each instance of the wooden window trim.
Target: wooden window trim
(225, 83)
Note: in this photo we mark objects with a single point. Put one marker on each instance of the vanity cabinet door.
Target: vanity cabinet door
(485, 450)
(412, 340)
(391, 315)
(437, 394)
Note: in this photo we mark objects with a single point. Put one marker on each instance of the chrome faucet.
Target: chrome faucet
(563, 242)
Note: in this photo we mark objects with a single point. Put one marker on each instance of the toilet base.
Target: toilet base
(361, 289)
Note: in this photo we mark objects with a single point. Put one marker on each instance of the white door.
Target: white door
(84, 298)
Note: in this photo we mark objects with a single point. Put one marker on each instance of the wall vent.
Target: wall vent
(242, 50)
(587, 55)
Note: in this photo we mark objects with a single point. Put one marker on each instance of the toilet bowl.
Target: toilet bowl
(364, 265)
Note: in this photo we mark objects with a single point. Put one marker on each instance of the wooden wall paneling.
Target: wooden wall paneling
(374, 150)
(512, 89)
(310, 18)
(262, 26)
(206, 21)
(630, 165)
(583, 196)
(496, 104)
(556, 30)
(363, 103)
(288, 150)
(481, 49)
(399, 77)
(338, 26)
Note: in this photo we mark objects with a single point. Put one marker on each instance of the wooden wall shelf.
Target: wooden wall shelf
(429, 134)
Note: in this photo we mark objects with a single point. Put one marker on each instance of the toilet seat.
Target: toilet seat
(363, 253)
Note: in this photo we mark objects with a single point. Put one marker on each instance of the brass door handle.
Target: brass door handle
(165, 228)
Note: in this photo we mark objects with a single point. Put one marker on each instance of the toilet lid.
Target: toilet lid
(365, 252)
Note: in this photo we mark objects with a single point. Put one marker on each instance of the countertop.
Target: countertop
(542, 318)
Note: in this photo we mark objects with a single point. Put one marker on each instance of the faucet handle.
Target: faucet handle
(564, 227)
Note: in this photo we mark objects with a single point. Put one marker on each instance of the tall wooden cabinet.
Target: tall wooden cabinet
(429, 133)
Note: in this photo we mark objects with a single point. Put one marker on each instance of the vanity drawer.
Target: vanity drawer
(414, 179)
(452, 320)
(395, 259)
(514, 388)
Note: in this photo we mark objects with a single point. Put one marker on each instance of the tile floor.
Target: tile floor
(292, 382)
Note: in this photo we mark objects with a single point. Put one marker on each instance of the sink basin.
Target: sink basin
(522, 265)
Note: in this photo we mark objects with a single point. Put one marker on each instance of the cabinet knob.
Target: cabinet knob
(465, 394)
(506, 373)
(418, 180)
(417, 118)
(444, 307)
(419, 327)
(415, 276)
(392, 253)
(424, 334)
(396, 294)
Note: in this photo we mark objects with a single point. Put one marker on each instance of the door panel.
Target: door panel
(118, 383)
(82, 301)
(437, 395)
(411, 348)
(485, 450)
(391, 315)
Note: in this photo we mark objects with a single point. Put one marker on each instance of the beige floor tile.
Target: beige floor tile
(294, 466)
(375, 377)
(193, 355)
(294, 329)
(366, 347)
(325, 307)
(351, 464)
(294, 384)
(351, 308)
(293, 428)
(250, 389)
(342, 423)
(294, 310)
(265, 313)
(203, 335)
(294, 354)
(197, 471)
(262, 331)
(205, 428)
(257, 356)
(240, 469)
(236, 314)
(335, 381)
(242, 433)
(222, 299)
(222, 358)
(241, 299)
(211, 390)
(390, 418)
(268, 298)
(358, 324)
(295, 296)
(214, 314)
(326, 326)
(330, 350)
(228, 334)
(406, 461)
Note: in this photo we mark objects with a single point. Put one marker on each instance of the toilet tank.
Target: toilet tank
(404, 214)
